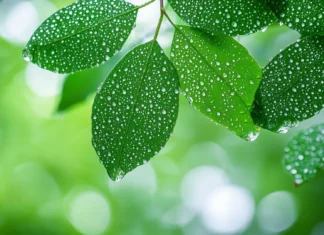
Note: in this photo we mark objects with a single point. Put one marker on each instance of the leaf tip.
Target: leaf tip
(117, 175)
(296, 185)
(252, 136)
(27, 55)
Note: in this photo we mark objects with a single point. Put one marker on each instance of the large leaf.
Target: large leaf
(136, 109)
(218, 76)
(304, 155)
(292, 86)
(305, 16)
(82, 35)
(231, 17)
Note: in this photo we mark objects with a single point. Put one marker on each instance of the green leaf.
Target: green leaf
(219, 78)
(231, 17)
(135, 111)
(82, 35)
(292, 86)
(78, 86)
(263, 46)
(305, 16)
(304, 154)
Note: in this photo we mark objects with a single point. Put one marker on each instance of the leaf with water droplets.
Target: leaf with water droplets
(135, 111)
(82, 35)
(219, 78)
(304, 155)
(234, 17)
(292, 86)
(307, 16)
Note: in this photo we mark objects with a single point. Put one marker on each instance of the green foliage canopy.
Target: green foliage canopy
(136, 108)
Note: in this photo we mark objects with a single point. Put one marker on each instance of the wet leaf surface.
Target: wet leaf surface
(135, 111)
(304, 155)
(292, 86)
(82, 35)
(307, 16)
(236, 17)
(219, 78)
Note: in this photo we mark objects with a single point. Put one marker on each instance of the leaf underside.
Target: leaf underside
(304, 155)
(292, 86)
(136, 109)
(82, 35)
(305, 16)
(219, 78)
(235, 17)
(78, 86)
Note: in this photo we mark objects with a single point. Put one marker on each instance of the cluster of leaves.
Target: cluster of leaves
(136, 107)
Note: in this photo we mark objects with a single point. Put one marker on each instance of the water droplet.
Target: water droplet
(27, 56)
(190, 100)
(119, 175)
(252, 136)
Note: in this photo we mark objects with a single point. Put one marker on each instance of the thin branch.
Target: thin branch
(159, 25)
(161, 4)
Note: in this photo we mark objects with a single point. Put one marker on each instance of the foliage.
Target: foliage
(304, 154)
(218, 76)
(136, 108)
(303, 16)
(291, 90)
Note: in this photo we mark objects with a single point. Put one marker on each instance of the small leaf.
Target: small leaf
(235, 17)
(136, 109)
(292, 86)
(218, 77)
(82, 35)
(78, 86)
(305, 16)
(304, 155)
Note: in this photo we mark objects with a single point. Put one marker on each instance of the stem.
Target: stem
(145, 4)
(159, 25)
(161, 4)
(169, 19)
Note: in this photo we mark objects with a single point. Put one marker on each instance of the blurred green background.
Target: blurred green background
(205, 181)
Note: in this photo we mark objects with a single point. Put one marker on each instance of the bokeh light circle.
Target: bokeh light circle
(89, 213)
(277, 212)
(199, 183)
(229, 209)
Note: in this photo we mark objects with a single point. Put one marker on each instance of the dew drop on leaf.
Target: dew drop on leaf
(138, 115)
(304, 155)
(292, 86)
(222, 90)
(82, 35)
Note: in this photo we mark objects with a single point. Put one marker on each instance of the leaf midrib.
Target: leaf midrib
(90, 27)
(121, 152)
(284, 93)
